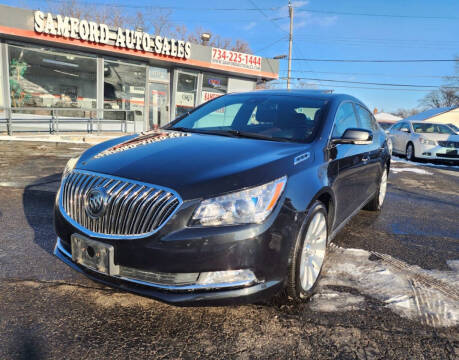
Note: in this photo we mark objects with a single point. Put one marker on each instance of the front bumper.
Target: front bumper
(261, 248)
(424, 151)
(222, 294)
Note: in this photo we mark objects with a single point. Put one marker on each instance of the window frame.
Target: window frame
(334, 118)
(373, 123)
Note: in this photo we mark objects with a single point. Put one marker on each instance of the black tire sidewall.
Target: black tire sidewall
(411, 158)
(299, 293)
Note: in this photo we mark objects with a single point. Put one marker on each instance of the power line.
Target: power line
(375, 60)
(326, 12)
(372, 83)
(256, 8)
(363, 87)
(267, 17)
(117, 5)
(270, 44)
(373, 74)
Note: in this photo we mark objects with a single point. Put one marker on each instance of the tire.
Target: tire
(410, 152)
(311, 243)
(376, 203)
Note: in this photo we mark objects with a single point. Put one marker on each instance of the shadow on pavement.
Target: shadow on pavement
(38, 202)
(25, 345)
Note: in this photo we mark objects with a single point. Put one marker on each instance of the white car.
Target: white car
(423, 140)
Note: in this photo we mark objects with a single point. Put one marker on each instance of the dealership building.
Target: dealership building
(65, 74)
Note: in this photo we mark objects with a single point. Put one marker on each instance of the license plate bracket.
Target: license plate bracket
(94, 255)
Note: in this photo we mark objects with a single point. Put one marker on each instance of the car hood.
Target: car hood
(192, 164)
(439, 137)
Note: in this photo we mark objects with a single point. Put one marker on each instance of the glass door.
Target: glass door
(158, 105)
(186, 95)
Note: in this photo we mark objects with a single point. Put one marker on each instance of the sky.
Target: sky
(332, 29)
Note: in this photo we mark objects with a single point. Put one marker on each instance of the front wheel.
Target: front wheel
(308, 254)
(410, 152)
(377, 201)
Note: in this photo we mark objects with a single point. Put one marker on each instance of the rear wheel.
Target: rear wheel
(410, 152)
(308, 254)
(377, 201)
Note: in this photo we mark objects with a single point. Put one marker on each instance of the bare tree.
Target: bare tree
(404, 113)
(443, 97)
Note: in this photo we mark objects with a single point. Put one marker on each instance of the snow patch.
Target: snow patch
(414, 170)
(328, 300)
(398, 288)
(453, 264)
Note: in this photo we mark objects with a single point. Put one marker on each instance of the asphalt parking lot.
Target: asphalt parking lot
(390, 289)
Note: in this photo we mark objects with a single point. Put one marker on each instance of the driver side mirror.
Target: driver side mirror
(355, 136)
(405, 130)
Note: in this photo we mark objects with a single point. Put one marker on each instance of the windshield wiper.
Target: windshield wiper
(250, 135)
(231, 133)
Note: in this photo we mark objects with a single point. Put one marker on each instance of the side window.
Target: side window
(366, 120)
(405, 127)
(344, 119)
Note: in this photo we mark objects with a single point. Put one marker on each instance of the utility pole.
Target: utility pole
(290, 14)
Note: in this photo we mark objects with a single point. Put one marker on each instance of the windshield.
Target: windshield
(432, 128)
(385, 125)
(262, 116)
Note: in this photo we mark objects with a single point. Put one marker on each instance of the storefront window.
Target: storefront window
(213, 86)
(124, 91)
(185, 98)
(45, 78)
(158, 74)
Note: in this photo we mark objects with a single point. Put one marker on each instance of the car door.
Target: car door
(349, 159)
(394, 134)
(403, 137)
(372, 151)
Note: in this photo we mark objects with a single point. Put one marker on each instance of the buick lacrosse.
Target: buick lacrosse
(232, 202)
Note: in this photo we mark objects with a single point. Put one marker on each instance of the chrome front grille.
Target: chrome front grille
(132, 209)
(449, 144)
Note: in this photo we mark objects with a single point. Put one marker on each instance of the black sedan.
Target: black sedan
(230, 203)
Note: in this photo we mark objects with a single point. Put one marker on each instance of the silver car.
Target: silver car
(424, 140)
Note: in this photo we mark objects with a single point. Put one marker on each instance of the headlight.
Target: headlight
(70, 166)
(427, 141)
(243, 207)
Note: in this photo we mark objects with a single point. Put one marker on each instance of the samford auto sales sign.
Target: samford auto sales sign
(90, 31)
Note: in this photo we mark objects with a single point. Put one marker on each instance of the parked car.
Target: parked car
(423, 140)
(230, 203)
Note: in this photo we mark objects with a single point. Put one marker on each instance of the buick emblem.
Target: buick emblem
(95, 202)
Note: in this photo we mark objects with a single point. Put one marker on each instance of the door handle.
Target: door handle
(365, 158)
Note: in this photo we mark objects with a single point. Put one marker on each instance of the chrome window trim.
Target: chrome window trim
(91, 233)
(216, 286)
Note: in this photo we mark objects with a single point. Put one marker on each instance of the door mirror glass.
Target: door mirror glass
(355, 136)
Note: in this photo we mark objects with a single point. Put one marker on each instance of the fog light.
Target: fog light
(427, 153)
(225, 277)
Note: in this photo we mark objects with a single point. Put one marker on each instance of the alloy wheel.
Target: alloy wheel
(382, 187)
(313, 252)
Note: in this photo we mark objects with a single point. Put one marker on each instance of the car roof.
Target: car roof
(425, 115)
(311, 94)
